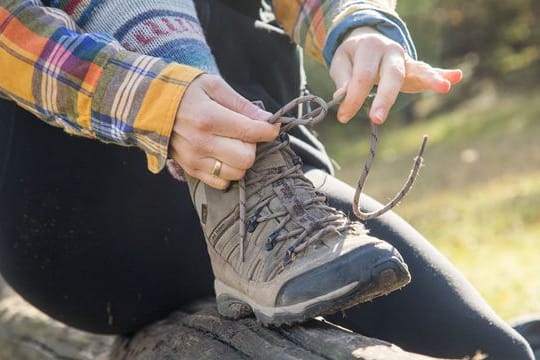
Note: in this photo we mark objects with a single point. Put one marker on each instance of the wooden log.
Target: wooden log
(195, 332)
(198, 332)
(28, 334)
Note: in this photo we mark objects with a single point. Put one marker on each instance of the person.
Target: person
(101, 245)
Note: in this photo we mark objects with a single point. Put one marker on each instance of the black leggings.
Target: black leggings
(92, 239)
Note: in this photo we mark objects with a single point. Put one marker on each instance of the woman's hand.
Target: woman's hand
(215, 123)
(367, 58)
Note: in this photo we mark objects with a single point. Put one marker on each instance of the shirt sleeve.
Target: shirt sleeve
(86, 83)
(320, 25)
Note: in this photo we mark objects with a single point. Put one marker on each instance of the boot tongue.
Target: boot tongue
(273, 160)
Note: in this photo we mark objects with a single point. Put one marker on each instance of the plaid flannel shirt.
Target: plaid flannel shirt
(320, 25)
(89, 85)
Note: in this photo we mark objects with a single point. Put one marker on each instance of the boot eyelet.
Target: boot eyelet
(271, 241)
(252, 222)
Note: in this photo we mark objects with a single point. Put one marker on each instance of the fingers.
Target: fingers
(199, 110)
(197, 154)
(239, 154)
(452, 75)
(221, 92)
(392, 75)
(341, 71)
(364, 75)
(366, 58)
(227, 172)
(190, 167)
(395, 74)
(211, 180)
(216, 123)
(422, 76)
(202, 169)
(192, 149)
(219, 120)
(232, 115)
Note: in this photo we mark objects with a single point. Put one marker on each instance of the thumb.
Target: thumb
(222, 93)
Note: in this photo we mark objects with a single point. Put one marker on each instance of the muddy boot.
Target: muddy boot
(299, 257)
(277, 248)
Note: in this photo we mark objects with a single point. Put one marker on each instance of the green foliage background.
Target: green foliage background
(478, 195)
(503, 36)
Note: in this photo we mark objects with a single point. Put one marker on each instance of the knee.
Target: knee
(518, 349)
(523, 349)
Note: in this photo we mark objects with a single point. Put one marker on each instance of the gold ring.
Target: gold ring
(217, 168)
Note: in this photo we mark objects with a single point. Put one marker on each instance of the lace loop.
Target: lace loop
(418, 161)
(310, 118)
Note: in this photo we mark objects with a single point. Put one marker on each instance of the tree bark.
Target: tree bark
(196, 332)
(199, 332)
(28, 334)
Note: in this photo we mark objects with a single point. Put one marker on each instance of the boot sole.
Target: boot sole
(386, 277)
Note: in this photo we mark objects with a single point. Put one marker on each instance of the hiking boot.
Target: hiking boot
(281, 252)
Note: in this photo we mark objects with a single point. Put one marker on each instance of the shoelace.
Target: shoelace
(334, 221)
(330, 222)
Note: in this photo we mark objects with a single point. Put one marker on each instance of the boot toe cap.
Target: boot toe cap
(376, 268)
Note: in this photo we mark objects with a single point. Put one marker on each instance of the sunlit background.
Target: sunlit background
(478, 195)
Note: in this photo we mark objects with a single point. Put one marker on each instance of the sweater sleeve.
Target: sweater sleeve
(87, 83)
(320, 25)
(167, 29)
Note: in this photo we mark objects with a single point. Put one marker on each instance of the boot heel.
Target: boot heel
(232, 308)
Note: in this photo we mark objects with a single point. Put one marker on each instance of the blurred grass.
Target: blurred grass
(478, 195)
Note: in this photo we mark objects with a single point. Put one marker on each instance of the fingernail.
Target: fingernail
(342, 117)
(260, 114)
(445, 86)
(379, 115)
(339, 92)
(457, 76)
